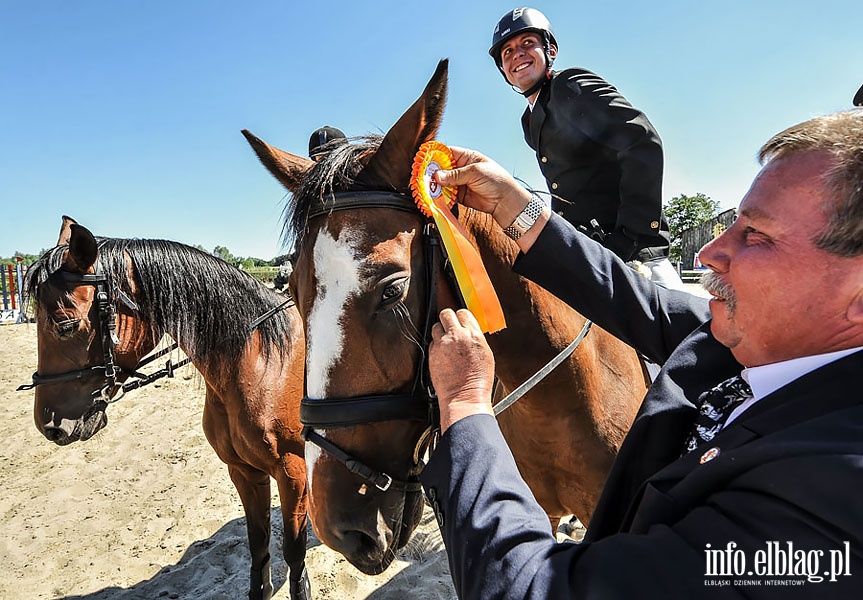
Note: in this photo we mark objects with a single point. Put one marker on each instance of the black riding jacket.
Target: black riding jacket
(602, 160)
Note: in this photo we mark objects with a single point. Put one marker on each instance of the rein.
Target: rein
(107, 311)
(534, 379)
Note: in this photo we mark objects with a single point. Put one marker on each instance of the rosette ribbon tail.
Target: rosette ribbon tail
(476, 288)
(435, 202)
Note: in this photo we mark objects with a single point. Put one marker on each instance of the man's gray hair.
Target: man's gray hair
(840, 135)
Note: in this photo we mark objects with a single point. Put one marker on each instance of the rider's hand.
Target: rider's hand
(461, 366)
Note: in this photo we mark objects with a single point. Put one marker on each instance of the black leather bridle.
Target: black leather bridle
(107, 311)
(418, 405)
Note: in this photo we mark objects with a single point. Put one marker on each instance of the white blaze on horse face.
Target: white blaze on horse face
(337, 270)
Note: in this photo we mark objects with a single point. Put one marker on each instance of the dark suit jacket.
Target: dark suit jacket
(602, 159)
(788, 470)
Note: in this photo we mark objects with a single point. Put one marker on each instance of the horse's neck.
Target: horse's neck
(137, 328)
(535, 318)
(136, 335)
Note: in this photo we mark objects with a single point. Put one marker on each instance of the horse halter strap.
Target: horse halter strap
(107, 327)
(107, 311)
(418, 405)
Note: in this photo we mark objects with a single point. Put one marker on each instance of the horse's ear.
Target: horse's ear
(81, 255)
(288, 168)
(66, 230)
(391, 164)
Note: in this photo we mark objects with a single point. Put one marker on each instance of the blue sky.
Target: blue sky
(126, 115)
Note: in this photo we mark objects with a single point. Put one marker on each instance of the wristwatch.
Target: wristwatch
(526, 218)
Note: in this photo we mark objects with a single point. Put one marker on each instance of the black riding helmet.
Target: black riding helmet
(322, 136)
(518, 21)
(858, 97)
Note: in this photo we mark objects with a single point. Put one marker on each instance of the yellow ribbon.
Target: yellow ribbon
(435, 202)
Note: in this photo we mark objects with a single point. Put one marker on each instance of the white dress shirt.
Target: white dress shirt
(766, 379)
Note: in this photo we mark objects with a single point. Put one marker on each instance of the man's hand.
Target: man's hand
(485, 186)
(461, 366)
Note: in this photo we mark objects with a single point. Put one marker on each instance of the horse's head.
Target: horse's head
(367, 298)
(78, 358)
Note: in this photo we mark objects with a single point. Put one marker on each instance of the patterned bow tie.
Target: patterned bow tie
(716, 406)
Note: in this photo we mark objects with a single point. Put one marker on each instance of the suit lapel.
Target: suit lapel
(533, 120)
(813, 395)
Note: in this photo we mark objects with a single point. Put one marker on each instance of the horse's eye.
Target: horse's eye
(393, 292)
(67, 328)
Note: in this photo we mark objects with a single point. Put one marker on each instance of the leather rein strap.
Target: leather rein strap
(525, 387)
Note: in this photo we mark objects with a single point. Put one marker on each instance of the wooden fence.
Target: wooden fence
(694, 238)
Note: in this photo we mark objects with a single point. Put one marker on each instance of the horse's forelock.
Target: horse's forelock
(39, 272)
(336, 172)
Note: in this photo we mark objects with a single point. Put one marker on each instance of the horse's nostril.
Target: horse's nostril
(55, 434)
(362, 544)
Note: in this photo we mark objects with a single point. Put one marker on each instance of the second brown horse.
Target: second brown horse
(102, 305)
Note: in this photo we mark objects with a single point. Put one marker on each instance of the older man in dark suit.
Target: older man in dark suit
(742, 472)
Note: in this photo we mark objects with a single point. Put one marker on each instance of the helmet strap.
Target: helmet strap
(535, 87)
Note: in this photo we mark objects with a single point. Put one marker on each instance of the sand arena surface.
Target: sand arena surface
(146, 510)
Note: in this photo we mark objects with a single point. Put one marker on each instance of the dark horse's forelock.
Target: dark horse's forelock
(177, 294)
(336, 172)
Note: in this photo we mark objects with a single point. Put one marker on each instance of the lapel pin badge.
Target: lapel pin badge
(709, 455)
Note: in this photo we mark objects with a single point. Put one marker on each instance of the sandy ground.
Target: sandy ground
(145, 509)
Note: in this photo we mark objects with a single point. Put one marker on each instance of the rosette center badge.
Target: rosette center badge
(432, 157)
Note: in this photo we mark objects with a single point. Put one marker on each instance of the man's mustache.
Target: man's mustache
(715, 285)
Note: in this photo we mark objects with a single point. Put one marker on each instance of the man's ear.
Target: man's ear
(552, 51)
(855, 309)
(854, 313)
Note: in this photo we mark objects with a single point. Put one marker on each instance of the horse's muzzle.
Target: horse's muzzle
(66, 431)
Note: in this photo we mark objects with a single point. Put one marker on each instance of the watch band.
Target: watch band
(526, 218)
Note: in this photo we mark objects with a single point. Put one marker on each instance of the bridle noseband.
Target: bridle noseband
(418, 405)
(107, 311)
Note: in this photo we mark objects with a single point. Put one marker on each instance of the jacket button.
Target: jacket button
(544, 159)
(554, 186)
(654, 224)
(560, 213)
(709, 455)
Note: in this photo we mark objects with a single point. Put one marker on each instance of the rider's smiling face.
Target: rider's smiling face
(523, 59)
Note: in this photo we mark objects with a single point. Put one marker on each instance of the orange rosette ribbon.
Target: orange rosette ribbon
(435, 201)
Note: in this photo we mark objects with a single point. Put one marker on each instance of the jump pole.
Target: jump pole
(3, 291)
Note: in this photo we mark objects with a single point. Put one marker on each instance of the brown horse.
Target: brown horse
(368, 289)
(102, 305)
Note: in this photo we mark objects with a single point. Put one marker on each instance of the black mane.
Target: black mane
(206, 304)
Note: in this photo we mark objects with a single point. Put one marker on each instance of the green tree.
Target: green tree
(684, 212)
(225, 254)
(26, 259)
